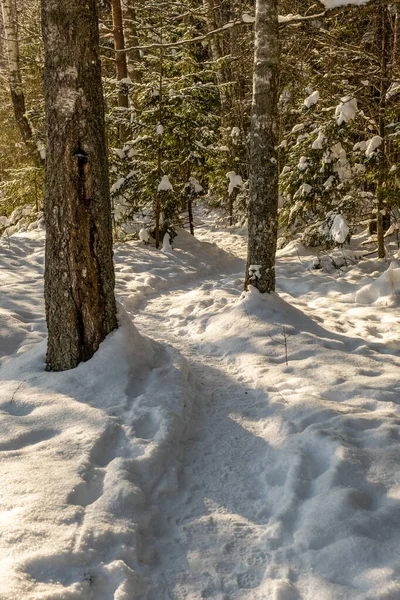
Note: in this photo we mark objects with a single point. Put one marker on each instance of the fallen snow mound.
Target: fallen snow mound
(79, 452)
(304, 498)
(384, 291)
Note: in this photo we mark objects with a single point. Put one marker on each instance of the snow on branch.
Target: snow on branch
(336, 3)
(246, 19)
(183, 42)
(295, 19)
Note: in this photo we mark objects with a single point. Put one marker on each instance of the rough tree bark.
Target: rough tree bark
(10, 23)
(79, 274)
(263, 202)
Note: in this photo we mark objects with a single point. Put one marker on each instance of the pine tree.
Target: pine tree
(10, 21)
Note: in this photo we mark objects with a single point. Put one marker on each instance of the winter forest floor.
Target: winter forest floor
(196, 461)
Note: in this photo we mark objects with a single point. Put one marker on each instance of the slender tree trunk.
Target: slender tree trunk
(16, 89)
(158, 204)
(121, 63)
(396, 37)
(263, 202)
(132, 40)
(190, 213)
(231, 204)
(190, 195)
(79, 274)
(157, 212)
(216, 55)
(382, 167)
(3, 60)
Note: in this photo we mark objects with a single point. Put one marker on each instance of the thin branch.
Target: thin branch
(295, 19)
(248, 20)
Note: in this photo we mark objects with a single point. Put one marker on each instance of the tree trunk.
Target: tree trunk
(190, 214)
(158, 204)
(79, 274)
(396, 37)
(382, 167)
(158, 219)
(121, 64)
(16, 89)
(216, 56)
(263, 202)
(132, 40)
(231, 203)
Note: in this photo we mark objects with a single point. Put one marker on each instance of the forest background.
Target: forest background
(178, 85)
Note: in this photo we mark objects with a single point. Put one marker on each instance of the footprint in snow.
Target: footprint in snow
(256, 558)
(89, 489)
(249, 580)
(368, 373)
(17, 409)
(147, 426)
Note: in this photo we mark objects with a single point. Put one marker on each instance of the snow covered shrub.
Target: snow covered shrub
(170, 136)
(325, 170)
(23, 218)
(318, 168)
(331, 231)
(228, 173)
(328, 264)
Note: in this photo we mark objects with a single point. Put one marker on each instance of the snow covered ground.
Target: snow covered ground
(248, 448)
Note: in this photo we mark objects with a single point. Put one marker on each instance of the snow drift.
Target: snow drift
(287, 486)
(80, 450)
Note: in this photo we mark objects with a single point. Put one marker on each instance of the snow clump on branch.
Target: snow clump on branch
(346, 110)
(336, 3)
(235, 181)
(312, 99)
(372, 145)
(165, 185)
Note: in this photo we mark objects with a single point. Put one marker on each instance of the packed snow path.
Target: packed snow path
(211, 527)
(282, 493)
(264, 468)
(206, 531)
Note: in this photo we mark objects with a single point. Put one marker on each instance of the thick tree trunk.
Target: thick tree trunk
(79, 274)
(263, 202)
(16, 89)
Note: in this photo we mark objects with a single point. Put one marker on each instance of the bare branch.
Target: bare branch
(245, 20)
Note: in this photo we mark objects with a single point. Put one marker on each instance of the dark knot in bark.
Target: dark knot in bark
(81, 159)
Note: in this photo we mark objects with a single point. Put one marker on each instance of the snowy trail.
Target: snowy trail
(238, 521)
(207, 533)
(233, 474)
